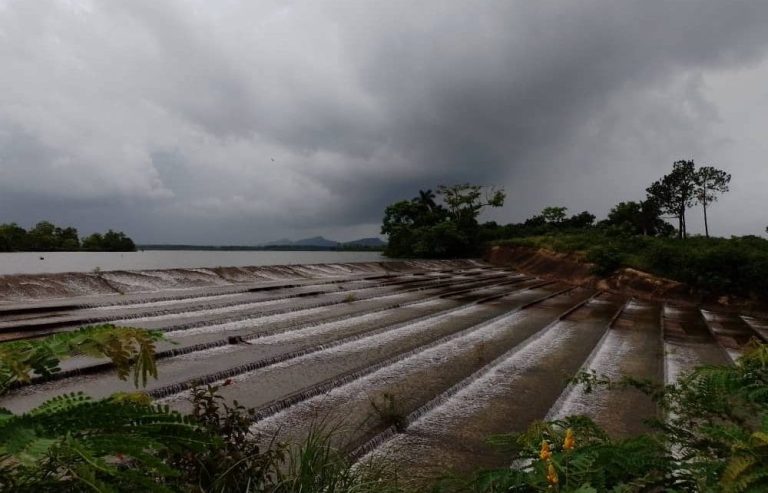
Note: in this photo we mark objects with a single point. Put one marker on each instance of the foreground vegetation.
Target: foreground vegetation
(47, 237)
(127, 443)
(712, 437)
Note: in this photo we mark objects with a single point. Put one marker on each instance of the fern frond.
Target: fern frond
(131, 350)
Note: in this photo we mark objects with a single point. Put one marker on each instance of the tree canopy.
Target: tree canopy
(684, 187)
(639, 218)
(424, 227)
(47, 237)
(675, 193)
(710, 182)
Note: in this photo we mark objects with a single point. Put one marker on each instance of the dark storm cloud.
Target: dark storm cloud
(239, 122)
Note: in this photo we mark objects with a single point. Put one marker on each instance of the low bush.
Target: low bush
(606, 259)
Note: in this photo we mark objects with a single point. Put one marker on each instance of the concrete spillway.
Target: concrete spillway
(462, 349)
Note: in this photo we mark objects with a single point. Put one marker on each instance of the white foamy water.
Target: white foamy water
(714, 323)
(323, 328)
(678, 359)
(368, 342)
(634, 306)
(208, 353)
(183, 301)
(257, 321)
(709, 316)
(234, 308)
(614, 347)
(672, 312)
(203, 313)
(758, 325)
(30, 263)
(250, 322)
(356, 389)
(478, 393)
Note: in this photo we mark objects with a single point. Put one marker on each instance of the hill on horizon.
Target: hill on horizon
(320, 241)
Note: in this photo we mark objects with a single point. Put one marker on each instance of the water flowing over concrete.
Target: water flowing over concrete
(461, 349)
(28, 287)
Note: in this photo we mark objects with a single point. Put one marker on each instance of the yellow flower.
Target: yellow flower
(552, 478)
(570, 440)
(545, 453)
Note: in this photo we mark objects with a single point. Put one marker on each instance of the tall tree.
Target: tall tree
(710, 182)
(427, 199)
(554, 215)
(423, 228)
(676, 192)
(464, 202)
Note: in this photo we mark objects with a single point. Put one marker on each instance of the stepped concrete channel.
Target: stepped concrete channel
(458, 350)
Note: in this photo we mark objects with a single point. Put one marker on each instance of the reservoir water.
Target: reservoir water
(51, 262)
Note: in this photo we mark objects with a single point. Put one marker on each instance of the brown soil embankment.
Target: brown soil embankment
(573, 268)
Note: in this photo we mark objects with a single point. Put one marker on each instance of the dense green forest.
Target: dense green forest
(634, 234)
(47, 237)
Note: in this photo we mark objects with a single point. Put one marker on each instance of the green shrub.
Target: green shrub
(606, 259)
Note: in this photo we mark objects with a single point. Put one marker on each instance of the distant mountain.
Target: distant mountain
(318, 241)
(367, 242)
(315, 243)
(322, 242)
(281, 242)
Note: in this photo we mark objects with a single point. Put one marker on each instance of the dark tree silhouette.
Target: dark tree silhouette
(710, 182)
(427, 199)
(641, 218)
(676, 192)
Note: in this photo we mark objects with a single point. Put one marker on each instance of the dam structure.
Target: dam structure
(462, 349)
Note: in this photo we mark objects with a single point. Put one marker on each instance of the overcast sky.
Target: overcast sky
(226, 122)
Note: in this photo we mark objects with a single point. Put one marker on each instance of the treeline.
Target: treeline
(446, 224)
(47, 237)
(634, 233)
(670, 197)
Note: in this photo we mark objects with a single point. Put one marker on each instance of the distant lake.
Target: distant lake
(31, 262)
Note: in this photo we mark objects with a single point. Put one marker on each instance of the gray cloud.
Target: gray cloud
(239, 122)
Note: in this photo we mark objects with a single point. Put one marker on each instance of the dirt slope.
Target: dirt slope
(573, 268)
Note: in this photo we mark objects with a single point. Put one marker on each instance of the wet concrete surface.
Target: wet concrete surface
(416, 380)
(631, 347)
(465, 350)
(511, 394)
(187, 368)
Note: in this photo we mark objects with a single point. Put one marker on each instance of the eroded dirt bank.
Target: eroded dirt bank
(573, 268)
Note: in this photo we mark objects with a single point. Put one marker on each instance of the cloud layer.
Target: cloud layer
(239, 122)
